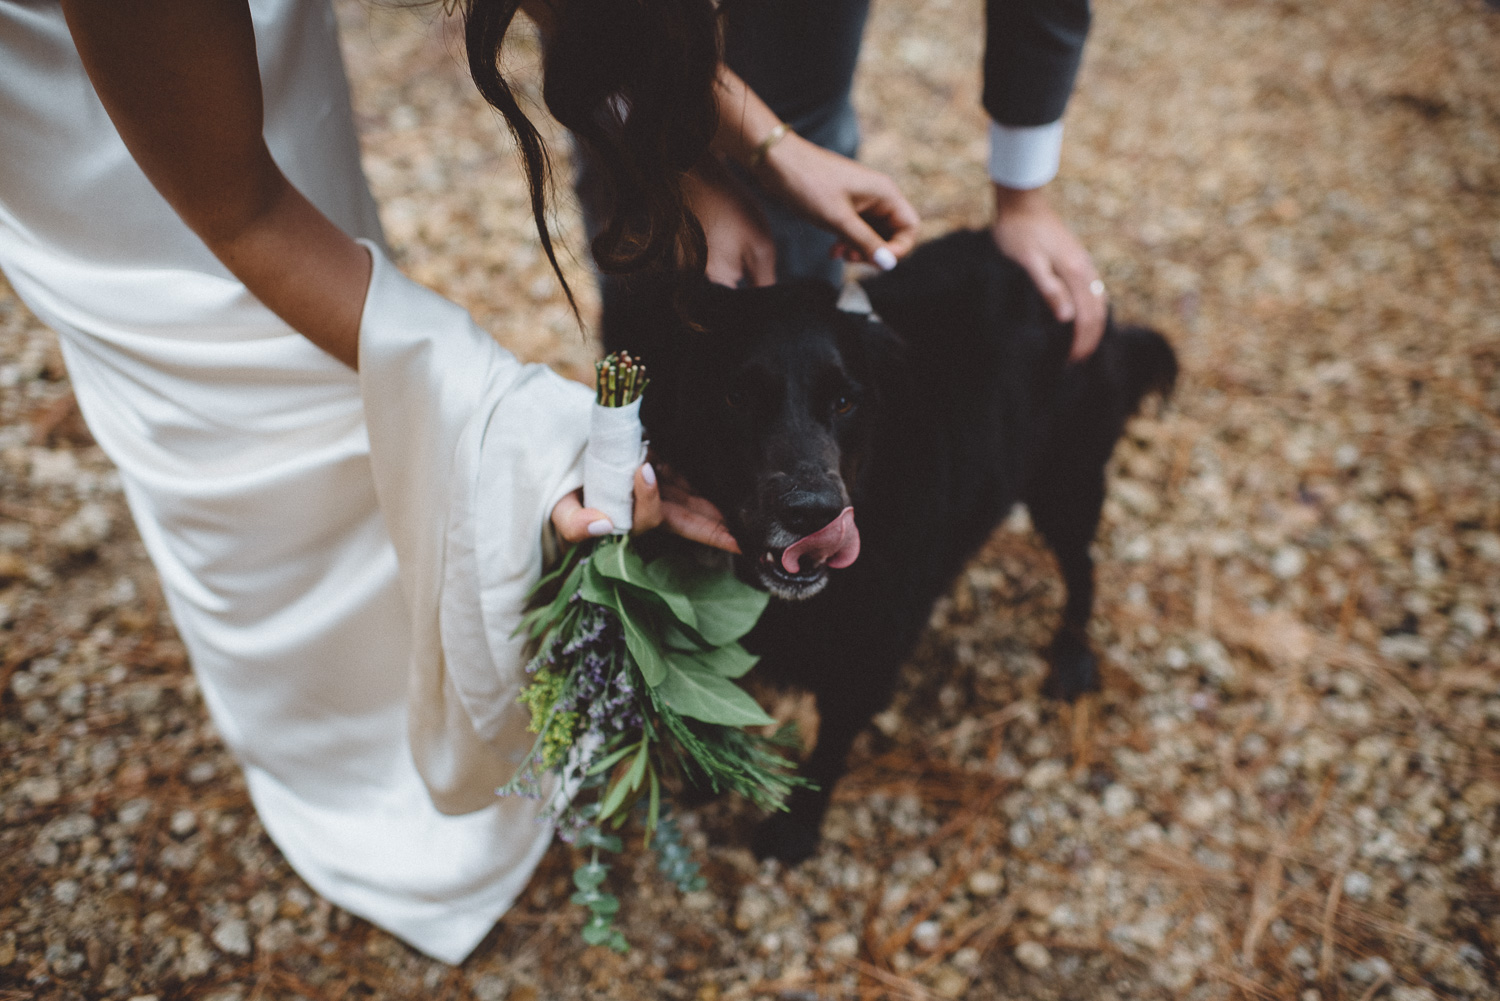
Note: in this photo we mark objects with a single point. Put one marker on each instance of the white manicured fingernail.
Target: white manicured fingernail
(600, 527)
(648, 474)
(884, 259)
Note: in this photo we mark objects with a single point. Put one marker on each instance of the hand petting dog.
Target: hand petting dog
(1028, 230)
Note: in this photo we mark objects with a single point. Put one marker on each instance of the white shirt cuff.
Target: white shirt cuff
(1025, 156)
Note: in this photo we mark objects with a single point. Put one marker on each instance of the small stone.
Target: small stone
(86, 530)
(42, 791)
(65, 892)
(842, 946)
(927, 935)
(986, 884)
(1357, 885)
(233, 936)
(1288, 562)
(1046, 774)
(197, 958)
(133, 812)
(751, 911)
(950, 983)
(1199, 811)
(1034, 956)
(1118, 800)
(184, 822)
(201, 772)
(1471, 620)
(1405, 647)
(490, 987)
(1369, 969)
(69, 828)
(262, 907)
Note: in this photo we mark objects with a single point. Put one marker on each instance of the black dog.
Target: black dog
(931, 419)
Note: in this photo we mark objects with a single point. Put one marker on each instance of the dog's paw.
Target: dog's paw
(1075, 669)
(785, 837)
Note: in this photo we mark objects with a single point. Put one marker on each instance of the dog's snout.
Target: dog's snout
(804, 511)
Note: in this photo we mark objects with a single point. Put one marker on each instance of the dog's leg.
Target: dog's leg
(1065, 504)
(793, 835)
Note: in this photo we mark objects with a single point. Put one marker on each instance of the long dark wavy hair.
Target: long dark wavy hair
(633, 80)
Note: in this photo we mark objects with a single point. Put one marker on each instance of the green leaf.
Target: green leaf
(598, 931)
(595, 587)
(614, 799)
(592, 837)
(694, 690)
(604, 904)
(730, 661)
(637, 769)
(606, 762)
(619, 561)
(675, 636)
(653, 806)
(640, 640)
(725, 607)
(588, 877)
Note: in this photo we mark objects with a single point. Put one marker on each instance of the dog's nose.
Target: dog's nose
(803, 512)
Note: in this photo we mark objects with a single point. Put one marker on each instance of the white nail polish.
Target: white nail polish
(884, 259)
(600, 527)
(648, 474)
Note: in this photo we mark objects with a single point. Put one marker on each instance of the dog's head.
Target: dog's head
(764, 401)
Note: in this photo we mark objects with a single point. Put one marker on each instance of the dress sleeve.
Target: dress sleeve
(470, 451)
(1032, 52)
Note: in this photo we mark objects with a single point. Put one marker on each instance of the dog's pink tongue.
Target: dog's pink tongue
(836, 543)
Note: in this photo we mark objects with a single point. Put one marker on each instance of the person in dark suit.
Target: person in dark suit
(799, 56)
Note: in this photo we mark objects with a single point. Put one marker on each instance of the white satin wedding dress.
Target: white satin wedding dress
(344, 555)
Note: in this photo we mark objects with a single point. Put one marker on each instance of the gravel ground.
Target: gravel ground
(1287, 790)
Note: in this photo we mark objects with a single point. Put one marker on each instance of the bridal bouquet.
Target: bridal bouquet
(633, 680)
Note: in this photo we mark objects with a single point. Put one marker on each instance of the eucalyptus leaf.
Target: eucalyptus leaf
(695, 691)
(588, 877)
(604, 904)
(592, 837)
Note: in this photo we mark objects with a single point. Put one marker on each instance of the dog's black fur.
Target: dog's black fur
(932, 420)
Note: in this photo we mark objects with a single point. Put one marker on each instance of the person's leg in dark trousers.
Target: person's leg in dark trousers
(799, 57)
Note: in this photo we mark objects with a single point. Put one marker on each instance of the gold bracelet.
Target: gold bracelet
(772, 138)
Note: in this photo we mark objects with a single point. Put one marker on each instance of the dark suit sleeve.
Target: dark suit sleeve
(1032, 52)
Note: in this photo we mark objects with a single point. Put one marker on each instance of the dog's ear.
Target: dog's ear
(880, 349)
(885, 349)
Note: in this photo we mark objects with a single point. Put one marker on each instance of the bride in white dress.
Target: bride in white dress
(343, 482)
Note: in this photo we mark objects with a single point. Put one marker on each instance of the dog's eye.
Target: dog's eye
(843, 405)
(737, 399)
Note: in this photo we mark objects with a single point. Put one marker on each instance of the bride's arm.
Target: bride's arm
(180, 81)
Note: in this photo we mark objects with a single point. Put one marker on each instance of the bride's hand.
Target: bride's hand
(685, 513)
(863, 207)
(575, 523)
(740, 248)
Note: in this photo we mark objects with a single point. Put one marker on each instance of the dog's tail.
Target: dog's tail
(1145, 363)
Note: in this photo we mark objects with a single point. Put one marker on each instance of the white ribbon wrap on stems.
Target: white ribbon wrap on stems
(615, 451)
